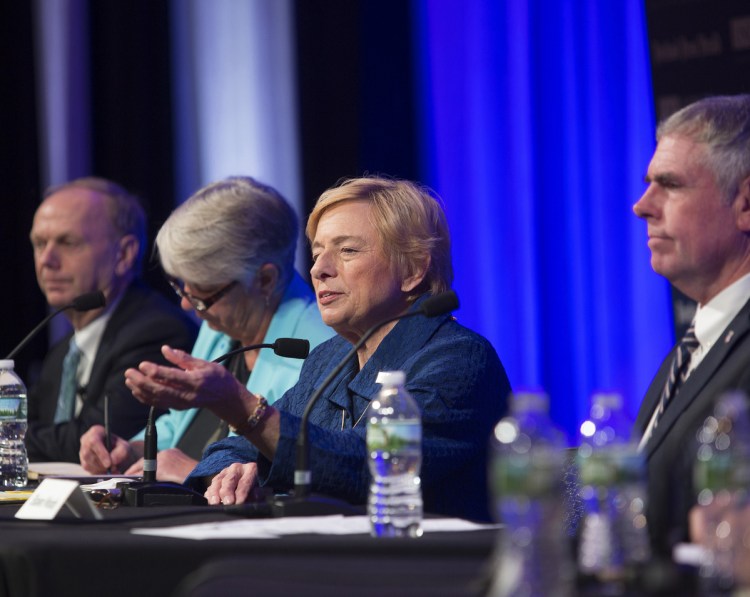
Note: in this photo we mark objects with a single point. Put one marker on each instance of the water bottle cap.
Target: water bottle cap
(530, 401)
(7, 364)
(732, 405)
(391, 378)
(610, 400)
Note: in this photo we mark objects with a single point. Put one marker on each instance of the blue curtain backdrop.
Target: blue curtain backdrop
(537, 128)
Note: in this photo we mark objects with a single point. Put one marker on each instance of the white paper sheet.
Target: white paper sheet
(271, 528)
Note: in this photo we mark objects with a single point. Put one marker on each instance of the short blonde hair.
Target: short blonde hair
(410, 222)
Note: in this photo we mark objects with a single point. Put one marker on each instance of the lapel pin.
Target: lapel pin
(729, 336)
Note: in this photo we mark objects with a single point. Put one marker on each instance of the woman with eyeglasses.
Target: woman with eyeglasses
(228, 252)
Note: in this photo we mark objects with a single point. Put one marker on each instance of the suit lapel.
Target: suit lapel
(689, 391)
(128, 304)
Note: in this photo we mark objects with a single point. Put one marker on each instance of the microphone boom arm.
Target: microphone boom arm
(84, 302)
(35, 331)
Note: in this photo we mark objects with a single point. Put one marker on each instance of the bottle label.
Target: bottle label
(720, 470)
(610, 465)
(11, 408)
(393, 436)
(536, 473)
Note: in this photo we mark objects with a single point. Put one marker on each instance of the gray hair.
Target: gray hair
(722, 123)
(226, 231)
(125, 211)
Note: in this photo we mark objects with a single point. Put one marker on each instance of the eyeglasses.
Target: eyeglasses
(200, 304)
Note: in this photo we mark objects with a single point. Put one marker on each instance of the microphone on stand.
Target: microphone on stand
(150, 443)
(292, 348)
(153, 493)
(302, 503)
(84, 302)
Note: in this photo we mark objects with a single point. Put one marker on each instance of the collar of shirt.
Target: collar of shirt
(710, 322)
(713, 318)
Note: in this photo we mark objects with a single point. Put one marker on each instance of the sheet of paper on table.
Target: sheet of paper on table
(71, 469)
(271, 528)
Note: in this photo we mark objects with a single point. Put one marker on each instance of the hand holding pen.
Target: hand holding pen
(97, 459)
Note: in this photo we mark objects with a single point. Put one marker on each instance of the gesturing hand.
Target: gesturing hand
(193, 383)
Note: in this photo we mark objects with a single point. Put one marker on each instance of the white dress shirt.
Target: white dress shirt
(88, 340)
(711, 321)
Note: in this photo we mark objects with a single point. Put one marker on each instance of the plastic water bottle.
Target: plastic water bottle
(394, 443)
(533, 556)
(614, 542)
(722, 478)
(14, 465)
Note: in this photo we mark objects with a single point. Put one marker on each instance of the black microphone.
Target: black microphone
(149, 492)
(153, 493)
(292, 348)
(85, 302)
(301, 504)
(150, 443)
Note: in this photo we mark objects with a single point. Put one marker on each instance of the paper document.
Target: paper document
(69, 469)
(272, 528)
(106, 484)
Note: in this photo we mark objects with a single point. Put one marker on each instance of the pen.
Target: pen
(107, 437)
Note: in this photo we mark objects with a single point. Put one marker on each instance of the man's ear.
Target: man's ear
(742, 206)
(416, 277)
(127, 254)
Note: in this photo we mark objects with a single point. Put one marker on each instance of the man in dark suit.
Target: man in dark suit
(88, 235)
(697, 210)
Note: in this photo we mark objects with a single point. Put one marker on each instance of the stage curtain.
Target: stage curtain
(537, 127)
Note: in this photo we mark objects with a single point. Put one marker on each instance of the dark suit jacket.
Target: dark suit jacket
(142, 322)
(671, 450)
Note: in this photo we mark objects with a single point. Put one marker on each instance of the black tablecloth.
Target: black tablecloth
(68, 556)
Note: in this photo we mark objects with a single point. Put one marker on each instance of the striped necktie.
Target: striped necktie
(678, 371)
(66, 400)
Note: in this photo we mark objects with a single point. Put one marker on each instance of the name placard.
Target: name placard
(51, 495)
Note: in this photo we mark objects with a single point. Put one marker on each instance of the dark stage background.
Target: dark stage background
(345, 129)
(534, 119)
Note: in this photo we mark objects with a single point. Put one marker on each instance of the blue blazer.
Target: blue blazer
(454, 375)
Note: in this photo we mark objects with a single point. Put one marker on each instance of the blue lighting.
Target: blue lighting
(537, 127)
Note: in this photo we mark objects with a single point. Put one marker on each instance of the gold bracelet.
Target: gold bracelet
(253, 419)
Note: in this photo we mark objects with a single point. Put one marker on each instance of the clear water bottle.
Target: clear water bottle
(614, 542)
(533, 556)
(721, 477)
(14, 465)
(394, 443)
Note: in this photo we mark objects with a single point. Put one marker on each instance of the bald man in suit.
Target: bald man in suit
(87, 235)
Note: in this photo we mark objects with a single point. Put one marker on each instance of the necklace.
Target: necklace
(343, 418)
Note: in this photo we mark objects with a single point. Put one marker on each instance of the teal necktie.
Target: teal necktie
(66, 400)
